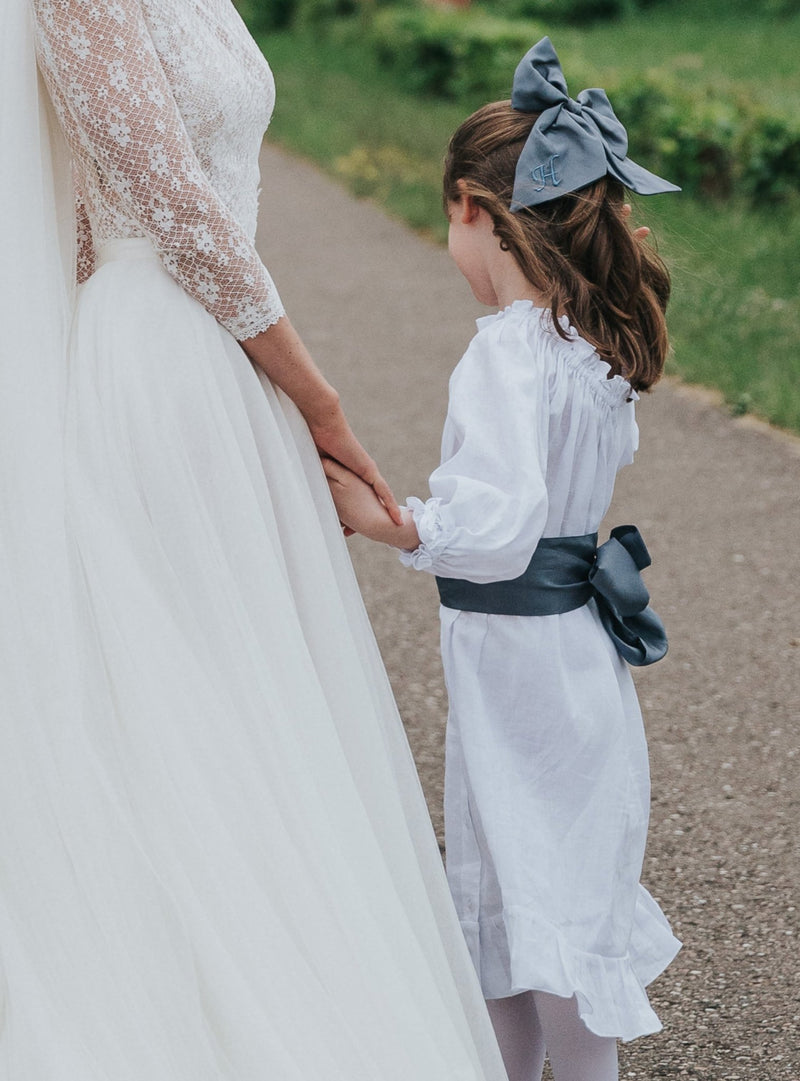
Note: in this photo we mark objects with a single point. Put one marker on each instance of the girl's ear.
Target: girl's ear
(466, 208)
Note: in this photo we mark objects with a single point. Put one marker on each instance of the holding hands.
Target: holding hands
(360, 509)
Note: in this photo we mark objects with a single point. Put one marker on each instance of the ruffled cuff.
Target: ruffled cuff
(432, 534)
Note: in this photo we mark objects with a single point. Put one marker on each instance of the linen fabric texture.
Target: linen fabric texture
(215, 858)
(547, 780)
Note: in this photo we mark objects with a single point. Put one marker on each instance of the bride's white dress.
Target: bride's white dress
(215, 861)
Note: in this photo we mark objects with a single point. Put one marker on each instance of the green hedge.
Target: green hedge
(449, 53)
(565, 11)
(264, 15)
(709, 142)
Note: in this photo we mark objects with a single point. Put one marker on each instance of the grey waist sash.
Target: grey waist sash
(564, 574)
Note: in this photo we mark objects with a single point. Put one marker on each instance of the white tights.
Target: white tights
(534, 1024)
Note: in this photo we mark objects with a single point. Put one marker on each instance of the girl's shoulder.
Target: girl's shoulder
(527, 334)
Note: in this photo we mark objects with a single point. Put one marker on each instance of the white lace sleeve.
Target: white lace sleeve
(86, 252)
(120, 116)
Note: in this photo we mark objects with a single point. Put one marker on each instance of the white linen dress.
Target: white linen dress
(215, 858)
(547, 782)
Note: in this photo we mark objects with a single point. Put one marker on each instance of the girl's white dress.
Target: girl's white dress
(547, 783)
(215, 859)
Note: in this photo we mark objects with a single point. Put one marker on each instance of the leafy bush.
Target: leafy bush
(264, 15)
(449, 53)
(574, 12)
(708, 144)
(571, 11)
(782, 7)
(309, 12)
(770, 158)
(690, 139)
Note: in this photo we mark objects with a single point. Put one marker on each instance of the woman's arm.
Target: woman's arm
(122, 122)
(281, 354)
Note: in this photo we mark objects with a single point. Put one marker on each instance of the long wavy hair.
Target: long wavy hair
(578, 250)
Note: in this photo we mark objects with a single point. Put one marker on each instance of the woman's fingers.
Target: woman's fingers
(370, 474)
(332, 469)
(642, 231)
(356, 496)
(339, 443)
(386, 496)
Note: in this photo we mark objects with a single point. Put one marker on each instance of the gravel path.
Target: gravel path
(718, 500)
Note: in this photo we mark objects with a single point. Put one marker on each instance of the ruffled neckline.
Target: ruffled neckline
(580, 356)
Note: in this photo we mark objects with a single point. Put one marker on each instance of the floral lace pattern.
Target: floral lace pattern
(164, 104)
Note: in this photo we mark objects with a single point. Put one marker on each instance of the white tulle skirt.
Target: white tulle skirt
(218, 864)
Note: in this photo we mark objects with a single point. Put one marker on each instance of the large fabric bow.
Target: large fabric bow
(573, 142)
(622, 598)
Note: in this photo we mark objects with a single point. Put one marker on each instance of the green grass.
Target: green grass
(735, 312)
(731, 45)
(735, 315)
(337, 108)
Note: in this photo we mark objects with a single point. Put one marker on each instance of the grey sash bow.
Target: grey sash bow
(573, 142)
(564, 574)
(622, 598)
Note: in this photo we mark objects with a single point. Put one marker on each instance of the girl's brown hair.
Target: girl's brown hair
(578, 250)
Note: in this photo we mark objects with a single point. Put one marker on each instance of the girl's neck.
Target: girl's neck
(510, 284)
(507, 298)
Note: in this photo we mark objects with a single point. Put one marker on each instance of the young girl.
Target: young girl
(547, 787)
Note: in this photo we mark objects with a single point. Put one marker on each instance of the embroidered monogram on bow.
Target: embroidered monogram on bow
(583, 135)
(546, 174)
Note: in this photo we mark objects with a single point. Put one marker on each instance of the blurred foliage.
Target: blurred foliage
(735, 312)
(713, 141)
(565, 11)
(709, 143)
(712, 138)
(446, 52)
(266, 15)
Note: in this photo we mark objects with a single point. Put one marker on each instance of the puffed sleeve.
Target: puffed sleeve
(118, 112)
(488, 505)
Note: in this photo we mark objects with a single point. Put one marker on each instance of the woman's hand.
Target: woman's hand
(336, 441)
(360, 511)
(280, 353)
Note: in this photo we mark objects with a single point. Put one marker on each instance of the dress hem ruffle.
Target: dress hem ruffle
(517, 951)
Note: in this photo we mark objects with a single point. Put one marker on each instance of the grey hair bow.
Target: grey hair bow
(573, 142)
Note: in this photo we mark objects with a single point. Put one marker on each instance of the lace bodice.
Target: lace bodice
(164, 104)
